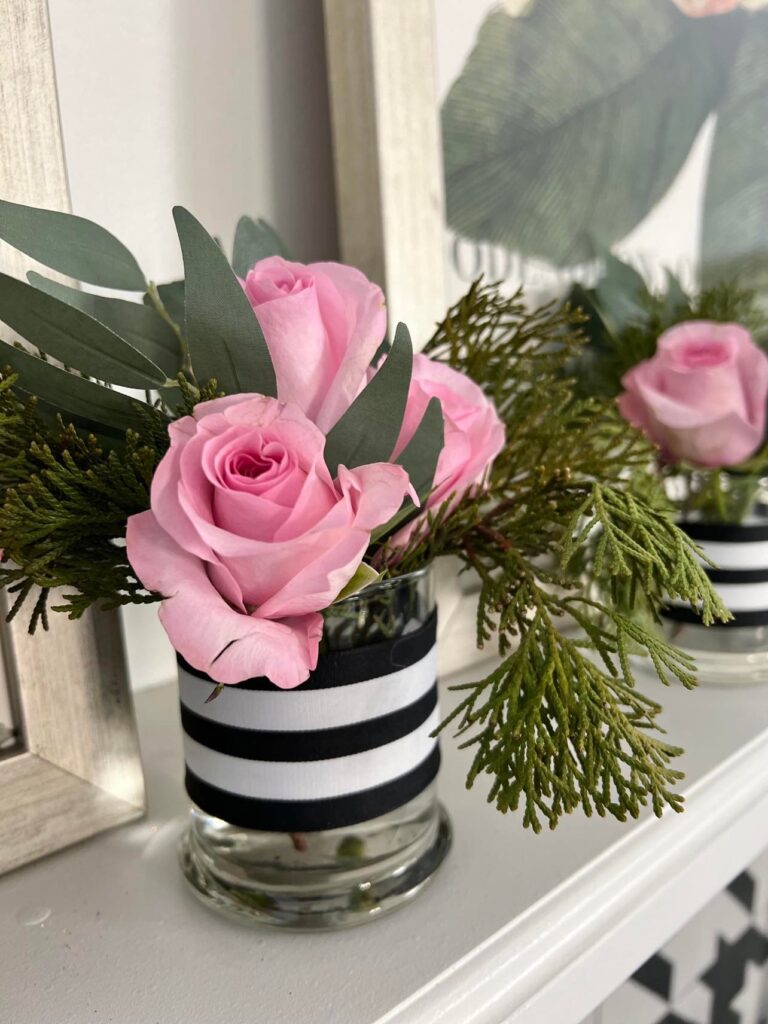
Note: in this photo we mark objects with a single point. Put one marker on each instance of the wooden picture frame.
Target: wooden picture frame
(389, 193)
(76, 770)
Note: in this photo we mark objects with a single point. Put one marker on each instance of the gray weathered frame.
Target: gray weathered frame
(79, 770)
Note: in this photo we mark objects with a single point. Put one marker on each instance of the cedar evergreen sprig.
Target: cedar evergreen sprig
(65, 501)
(560, 723)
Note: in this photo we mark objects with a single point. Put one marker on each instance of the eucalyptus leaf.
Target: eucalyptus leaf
(419, 459)
(224, 337)
(72, 245)
(172, 297)
(420, 455)
(735, 222)
(135, 323)
(364, 576)
(571, 121)
(254, 241)
(68, 334)
(368, 430)
(69, 394)
(675, 299)
(619, 294)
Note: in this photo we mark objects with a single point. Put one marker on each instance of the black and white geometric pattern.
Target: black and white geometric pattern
(713, 971)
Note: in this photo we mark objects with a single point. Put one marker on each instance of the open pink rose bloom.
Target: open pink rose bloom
(248, 537)
(702, 397)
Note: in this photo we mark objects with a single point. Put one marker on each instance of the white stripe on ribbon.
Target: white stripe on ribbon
(738, 597)
(751, 554)
(312, 780)
(298, 710)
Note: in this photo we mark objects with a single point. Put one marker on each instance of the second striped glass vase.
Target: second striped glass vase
(726, 515)
(316, 807)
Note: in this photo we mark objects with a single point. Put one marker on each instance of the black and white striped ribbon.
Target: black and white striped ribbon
(352, 743)
(740, 552)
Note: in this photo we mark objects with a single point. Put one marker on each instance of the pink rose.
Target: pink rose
(248, 537)
(323, 323)
(474, 434)
(705, 8)
(702, 397)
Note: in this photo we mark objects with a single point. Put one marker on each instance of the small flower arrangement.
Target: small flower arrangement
(274, 454)
(691, 375)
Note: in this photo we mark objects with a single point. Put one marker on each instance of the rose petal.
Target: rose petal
(204, 629)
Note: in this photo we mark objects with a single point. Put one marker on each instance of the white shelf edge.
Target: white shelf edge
(568, 952)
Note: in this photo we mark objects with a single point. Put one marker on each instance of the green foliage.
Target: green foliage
(255, 240)
(67, 333)
(368, 430)
(224, 337)
(72, 245)
(141, 327)
(560, 723)
(65, 502)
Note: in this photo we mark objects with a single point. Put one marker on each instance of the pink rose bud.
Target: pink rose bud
(474, 434)
(323, 323)
(702, 397)
(248, 538)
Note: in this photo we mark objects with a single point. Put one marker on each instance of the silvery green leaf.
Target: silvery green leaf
(72, 245)
(419, 460)
(675, 299)
(254, 241)
(70, 394)
(172, 297)
(135, 323)
(68, 334)
(224, 337)
(420, 455)
(368, 430)
(619, 294)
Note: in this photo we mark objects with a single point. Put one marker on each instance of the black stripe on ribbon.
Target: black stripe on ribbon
(313, 815)
(737, 575)
(355, 665)
(310, 744)
(683, 613)
(726, 533)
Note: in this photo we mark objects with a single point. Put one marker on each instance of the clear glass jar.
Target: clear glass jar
(329, 877)
(726, 514)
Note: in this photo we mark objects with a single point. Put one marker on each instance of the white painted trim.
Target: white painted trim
(566, 954)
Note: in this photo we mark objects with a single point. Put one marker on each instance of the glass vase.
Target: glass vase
(316, 808)
(726, 514)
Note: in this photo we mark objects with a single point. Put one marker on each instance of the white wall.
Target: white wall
(219, 105)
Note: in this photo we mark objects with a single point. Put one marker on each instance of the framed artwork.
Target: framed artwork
(524, 140)
(69, 756)
(532, 136)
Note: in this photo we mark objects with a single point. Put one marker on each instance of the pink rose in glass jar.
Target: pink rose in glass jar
(702, 397)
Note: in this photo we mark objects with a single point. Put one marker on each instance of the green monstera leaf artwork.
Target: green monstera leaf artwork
(570, 121)
(735, 226)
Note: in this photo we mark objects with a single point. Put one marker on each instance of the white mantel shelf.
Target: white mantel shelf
(515, 929)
